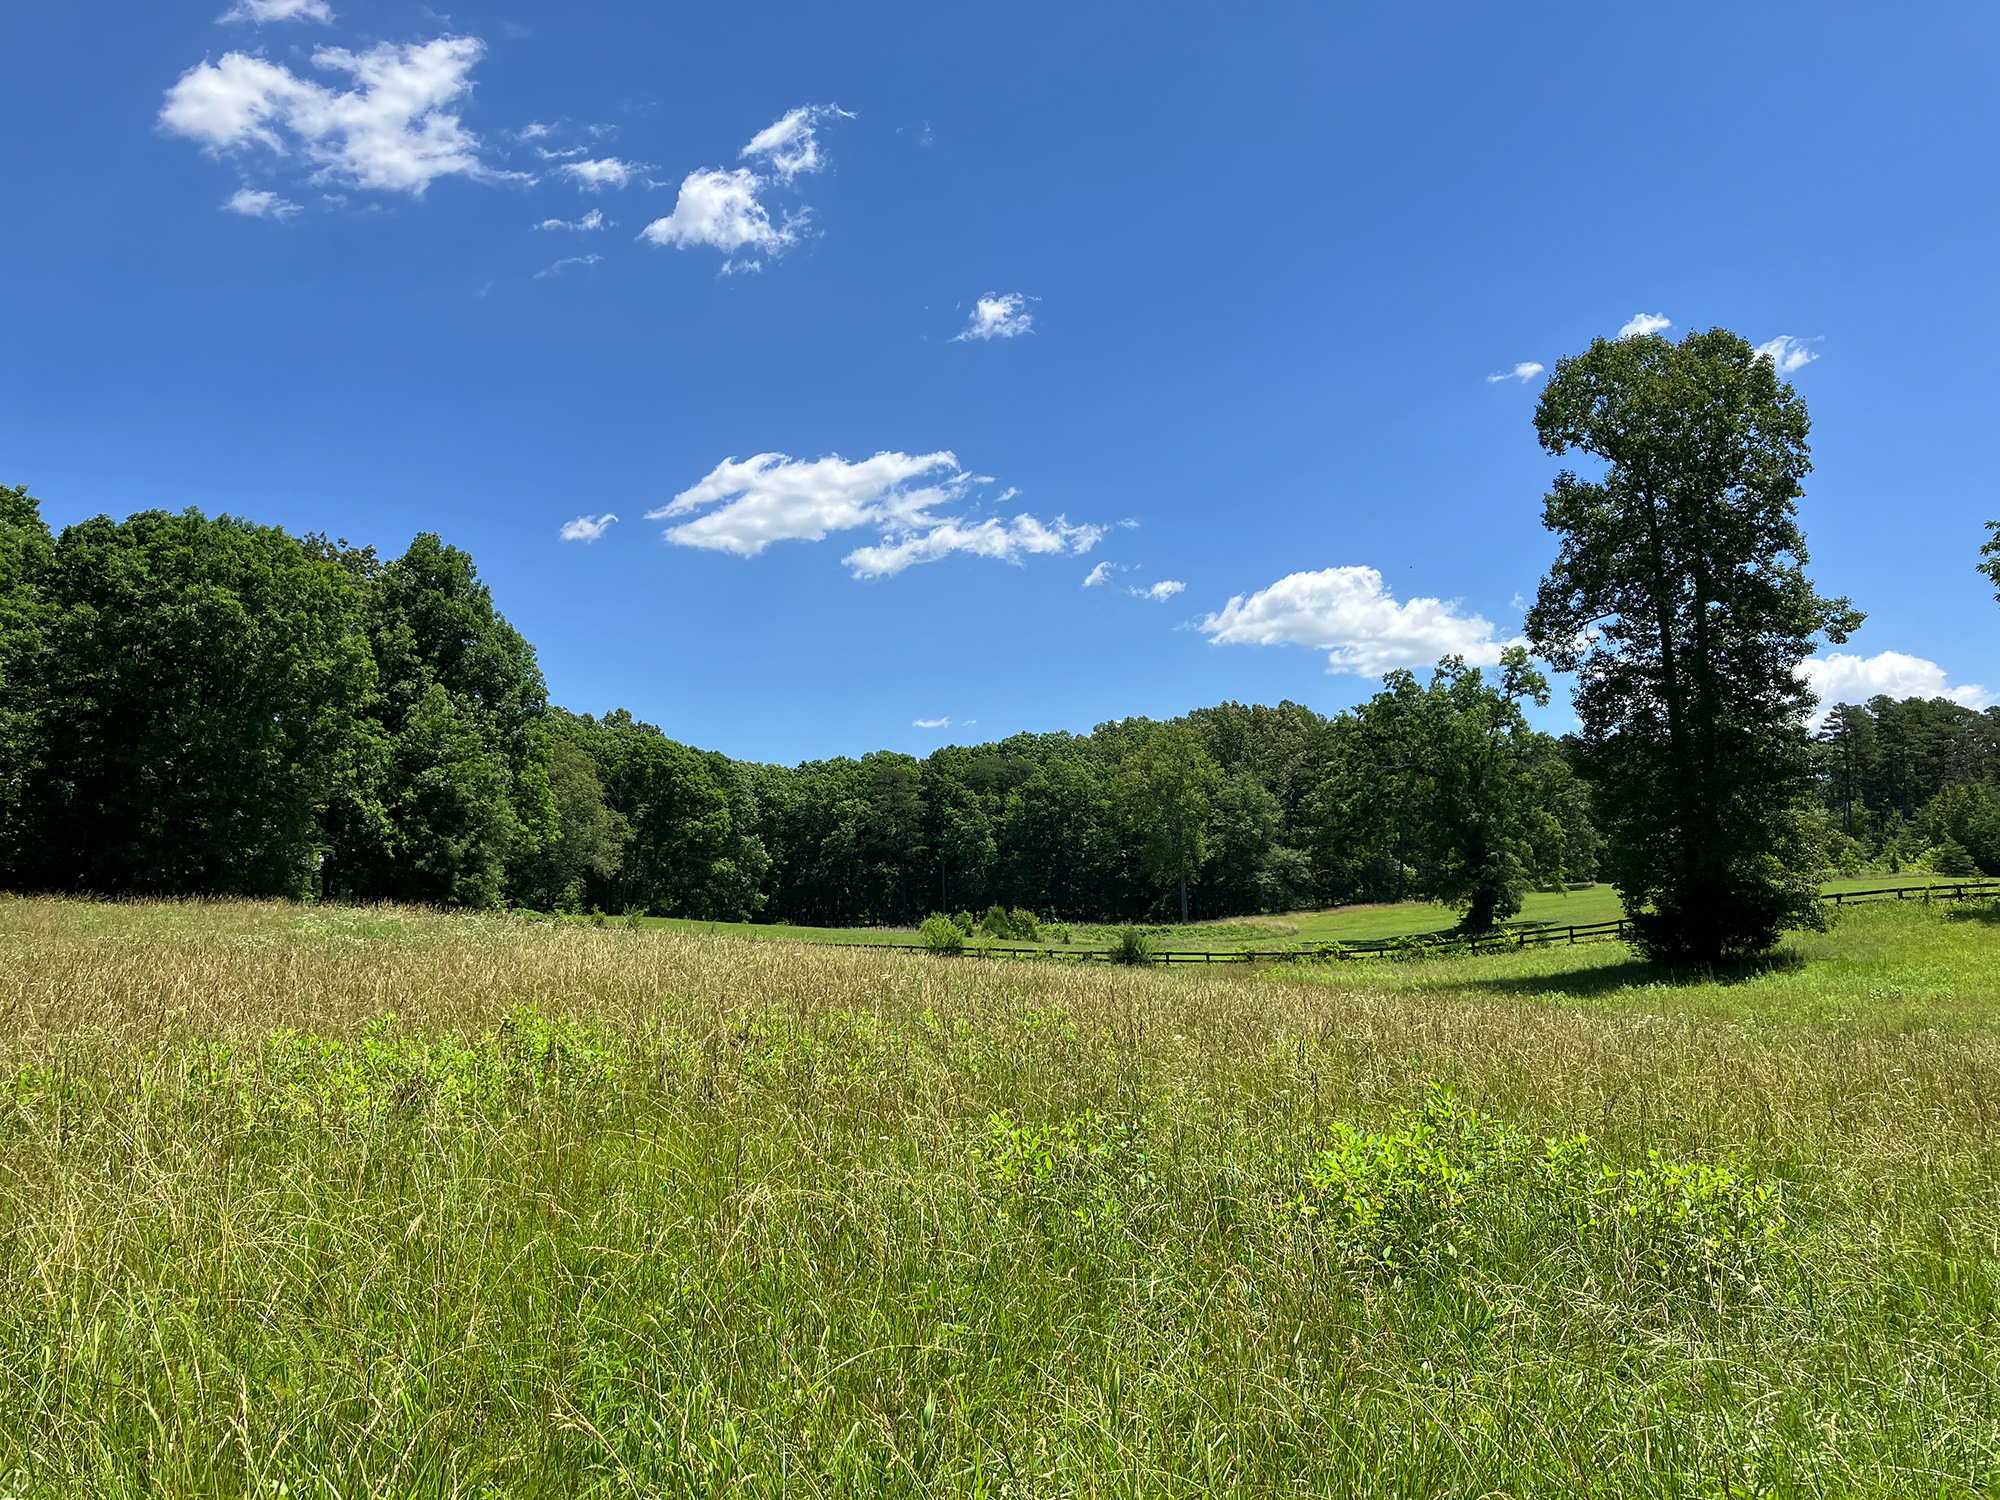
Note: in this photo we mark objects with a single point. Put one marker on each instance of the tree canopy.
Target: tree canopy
(1680, 599)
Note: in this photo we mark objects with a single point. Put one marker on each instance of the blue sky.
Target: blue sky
(991, 301)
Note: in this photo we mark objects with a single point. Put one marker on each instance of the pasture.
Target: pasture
(321, 1201)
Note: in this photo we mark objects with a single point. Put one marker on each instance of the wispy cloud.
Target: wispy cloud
(1846, 678)
(592, 220)
(998, 318)
(263, 12)
(567, 261)
(723, 208)
(1350, 614)
(394, 131)
(1641, 324)
(943, 723)
(602, 172)
(791, 144)
(743, 506)
(1787, 354)
(1099, 574)
(254, 204)
(1162, 591)
(1525, 371)
(587, 528)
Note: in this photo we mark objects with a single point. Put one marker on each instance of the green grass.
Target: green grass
(1344, 924)
(324, 1202)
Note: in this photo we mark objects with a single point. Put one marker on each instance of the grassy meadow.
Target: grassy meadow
(372, 1202)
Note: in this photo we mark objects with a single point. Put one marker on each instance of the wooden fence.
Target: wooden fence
(1507, 940)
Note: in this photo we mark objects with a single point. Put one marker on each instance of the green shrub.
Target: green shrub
(965, 922)
(1024, 925)
(1444, 1185)
(941, 935)
(996, 923)
(1132, 946)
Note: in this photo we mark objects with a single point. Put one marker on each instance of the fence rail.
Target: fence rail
(1507, 940)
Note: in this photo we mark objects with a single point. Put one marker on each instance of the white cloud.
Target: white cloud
(262, 11)
(1787, 354)
(587, 528)
(567, 260)
(592, 220)
(1846, 678)
(392, 131)
(774, 498)
(1350, 614)
(254, 204)
(998, 318)
(720, 208)
(1642, 324)
(944, 723)
(1005, 541)
(1099, 574)
(1525, 371)
(723, 208)
(1162, 591)
(603, 172)
(534, 130)
(791, 144)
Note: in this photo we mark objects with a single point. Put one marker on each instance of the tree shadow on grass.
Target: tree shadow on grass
(1599, 980)
(1986, 913)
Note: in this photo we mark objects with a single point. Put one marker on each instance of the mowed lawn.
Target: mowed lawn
(327, 1202)
(1343, 924)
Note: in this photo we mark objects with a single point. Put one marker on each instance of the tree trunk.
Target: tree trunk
(1183, 900)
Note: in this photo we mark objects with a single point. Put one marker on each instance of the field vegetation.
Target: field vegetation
(377, 1201)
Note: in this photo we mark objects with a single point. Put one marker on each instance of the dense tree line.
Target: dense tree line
(210, 706)
(200, 705)
(1913, 783)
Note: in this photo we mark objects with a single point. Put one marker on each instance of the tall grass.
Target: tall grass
(346, 1203)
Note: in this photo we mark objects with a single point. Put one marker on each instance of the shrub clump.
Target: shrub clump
(941, 935)
(1445, 1185)
(1132, 946)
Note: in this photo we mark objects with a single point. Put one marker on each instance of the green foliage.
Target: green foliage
(26, 551)
(1167, 786)
(1449, 782)
(1680, 598)
(1132, 946)
(941, 935)
(1443, 1187)
(199, 694)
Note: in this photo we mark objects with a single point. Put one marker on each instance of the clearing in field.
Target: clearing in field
(343, 1202)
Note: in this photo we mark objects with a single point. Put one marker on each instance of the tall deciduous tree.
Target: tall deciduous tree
(26, 551)
(1167, 785)
(1450, 781)
(1680, 598)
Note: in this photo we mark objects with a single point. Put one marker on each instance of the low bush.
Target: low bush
(941, 935)
(1132, 946)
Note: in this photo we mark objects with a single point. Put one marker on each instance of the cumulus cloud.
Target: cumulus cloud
(998, 318)
(746, 505)
(264, 11)
(1162, 591)
(791, 144)
(393, 131)
(254, 204)
(1787, 354)
(1099, 574)
(1642, 324)
(1525, 371)
(1847, 678)
(601, 172)
(568, 260)
(1350, 614)
(592, 220)
(586, 528)
(723, 208)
